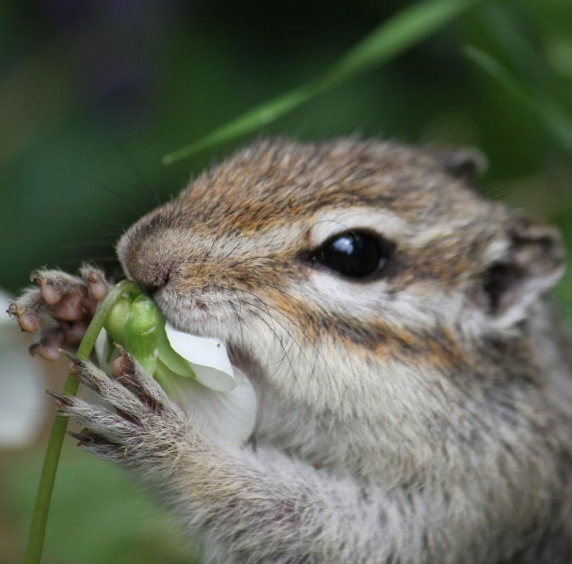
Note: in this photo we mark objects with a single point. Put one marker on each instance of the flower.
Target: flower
(194, 371)
(22, 403)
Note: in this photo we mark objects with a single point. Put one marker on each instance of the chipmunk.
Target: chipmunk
(414, 385)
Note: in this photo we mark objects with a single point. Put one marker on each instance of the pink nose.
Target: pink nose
(150, 272)
(153, 277)
(154, 284)
(149, 254)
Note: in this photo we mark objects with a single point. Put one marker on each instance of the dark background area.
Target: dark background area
(93, 93)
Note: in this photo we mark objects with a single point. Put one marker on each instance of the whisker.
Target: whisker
(317, 352)
(91, 259)
(289, 319)
(205, 258)
(132, 165)
(240, 321)
(117, 195)
(233, 249)
(314, 347)
(259, 257)
(118, 228)
(86, 244)
(280, 342)
(304, 334)
(279, 339)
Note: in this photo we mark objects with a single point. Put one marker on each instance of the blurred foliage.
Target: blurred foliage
(99, 517)
(393, 36)
(93, 93)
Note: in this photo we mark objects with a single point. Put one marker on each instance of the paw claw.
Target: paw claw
(13, 310)
(95, 282)
(74, 359)
(73, 365)
(82, 439)
(86, 437)
(61, 401)
(36, 277)
(26, 321)
(51, 294)
(97, 290)
(86, 372)
(30, 310)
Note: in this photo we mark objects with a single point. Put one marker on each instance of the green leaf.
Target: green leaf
(388, 40)
(554, 119)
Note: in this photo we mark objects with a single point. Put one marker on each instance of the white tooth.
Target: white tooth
(208, 358)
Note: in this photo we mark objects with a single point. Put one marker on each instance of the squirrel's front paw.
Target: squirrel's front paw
(66, 300)
(143, 429)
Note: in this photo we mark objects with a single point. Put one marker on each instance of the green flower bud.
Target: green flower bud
(141, 331)
(117, 317)
(194, 371)
(136, 323)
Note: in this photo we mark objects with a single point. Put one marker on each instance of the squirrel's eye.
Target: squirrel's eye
(355, 254)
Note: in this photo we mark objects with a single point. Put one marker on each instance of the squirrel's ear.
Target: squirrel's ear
(462, 163)
(532, 263)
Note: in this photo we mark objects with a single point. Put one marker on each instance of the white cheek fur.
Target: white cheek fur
(416, 305)
(383, 222)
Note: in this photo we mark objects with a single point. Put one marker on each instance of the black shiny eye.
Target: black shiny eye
(355, 254)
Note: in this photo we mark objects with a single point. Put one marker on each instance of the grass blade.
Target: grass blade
(388, 40)
(555, 120)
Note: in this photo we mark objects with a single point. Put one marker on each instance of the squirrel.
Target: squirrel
(413, 378)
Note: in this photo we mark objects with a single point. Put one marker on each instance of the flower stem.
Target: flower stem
(52, 458)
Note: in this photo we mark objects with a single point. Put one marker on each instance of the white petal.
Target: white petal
(102, 352)
(22, 401)
(5, 300)
(228, 417)
(208, 358)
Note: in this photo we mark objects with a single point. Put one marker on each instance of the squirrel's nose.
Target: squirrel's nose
(156, 285)
(148, 256)
(151, 275)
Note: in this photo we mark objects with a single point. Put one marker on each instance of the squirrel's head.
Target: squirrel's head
(333, 268)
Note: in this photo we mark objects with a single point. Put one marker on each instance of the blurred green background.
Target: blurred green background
(94, 93)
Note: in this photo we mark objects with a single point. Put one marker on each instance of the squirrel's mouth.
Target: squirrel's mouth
(195, 322)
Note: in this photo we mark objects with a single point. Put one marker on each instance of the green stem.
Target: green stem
(52, 458)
